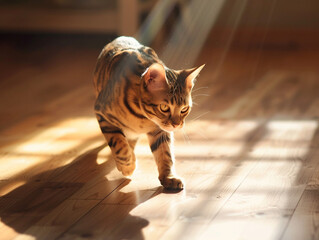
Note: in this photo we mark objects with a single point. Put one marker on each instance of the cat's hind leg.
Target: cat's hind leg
(121, 148)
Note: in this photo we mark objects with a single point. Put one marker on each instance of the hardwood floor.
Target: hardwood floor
(249, 153)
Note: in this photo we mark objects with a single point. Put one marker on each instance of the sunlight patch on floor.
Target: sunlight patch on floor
(273, 152)
(7, 232)
(61, 141)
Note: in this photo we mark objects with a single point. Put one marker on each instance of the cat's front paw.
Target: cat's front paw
(126, 165)
(126, 170)
(172, 182)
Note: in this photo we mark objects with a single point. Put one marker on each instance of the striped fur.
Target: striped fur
(137, 94)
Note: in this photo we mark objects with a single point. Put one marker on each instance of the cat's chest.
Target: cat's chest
(139, 126)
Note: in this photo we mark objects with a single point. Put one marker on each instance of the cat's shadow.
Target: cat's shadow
(24, 207)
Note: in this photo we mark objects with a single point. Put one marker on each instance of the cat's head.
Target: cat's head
(166, 95)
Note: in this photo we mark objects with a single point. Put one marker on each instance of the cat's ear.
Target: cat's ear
(155, 78)
(193, 73)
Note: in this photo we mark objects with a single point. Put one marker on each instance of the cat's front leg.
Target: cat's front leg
(161, 144)
(122, 149)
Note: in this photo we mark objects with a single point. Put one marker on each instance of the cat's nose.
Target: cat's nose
(175, 122)
(175, 125)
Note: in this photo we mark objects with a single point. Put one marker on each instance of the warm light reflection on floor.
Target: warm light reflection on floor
(60, 143)
(266, 157)
(250, 162)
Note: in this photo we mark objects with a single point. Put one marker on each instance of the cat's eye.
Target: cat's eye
(185, 109)
(164, 108)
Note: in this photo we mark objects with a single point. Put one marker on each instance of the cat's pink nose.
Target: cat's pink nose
(175, 125)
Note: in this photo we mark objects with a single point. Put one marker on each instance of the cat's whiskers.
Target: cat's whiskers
(195, 90)
(201, 115)
(185, 136)
(201, 94)
(202, 134)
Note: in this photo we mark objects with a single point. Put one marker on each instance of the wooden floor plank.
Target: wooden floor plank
(305, 220)
(267, 199)
(60, 219)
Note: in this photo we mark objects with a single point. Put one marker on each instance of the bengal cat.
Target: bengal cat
(137, 94)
